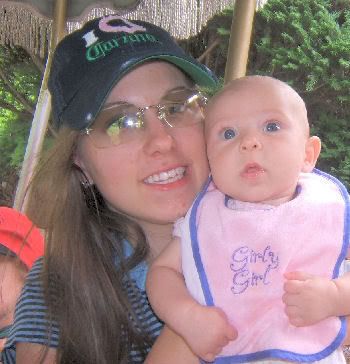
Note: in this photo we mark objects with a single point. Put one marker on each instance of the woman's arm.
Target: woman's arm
(34, 354)
(170, 348)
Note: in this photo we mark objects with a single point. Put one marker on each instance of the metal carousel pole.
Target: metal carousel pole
(241, 30)
(42, 110)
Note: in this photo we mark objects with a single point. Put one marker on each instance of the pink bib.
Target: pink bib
(239, 257)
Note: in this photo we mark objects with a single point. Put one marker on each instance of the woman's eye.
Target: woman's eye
(229, 134)
(123, 122)
(173, 109)
(130, 121)
(272, 126)
(113, 128)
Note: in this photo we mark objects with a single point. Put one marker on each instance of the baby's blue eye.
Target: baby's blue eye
(229, 134)
(272, 127)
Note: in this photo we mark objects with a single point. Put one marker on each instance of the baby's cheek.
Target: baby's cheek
(10, 289)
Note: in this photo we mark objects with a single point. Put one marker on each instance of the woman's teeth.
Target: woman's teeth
(166, 177)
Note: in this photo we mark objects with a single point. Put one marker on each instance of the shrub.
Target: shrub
(307, 44)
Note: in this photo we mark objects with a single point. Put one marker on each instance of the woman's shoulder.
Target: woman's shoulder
(35, 272)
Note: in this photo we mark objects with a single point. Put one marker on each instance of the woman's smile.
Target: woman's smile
(165, 177)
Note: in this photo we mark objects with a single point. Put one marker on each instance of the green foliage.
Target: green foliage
(335, 136)
(19, 85)
(307, 44)
(13, 139)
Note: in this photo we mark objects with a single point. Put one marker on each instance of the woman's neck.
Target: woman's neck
(158, 237)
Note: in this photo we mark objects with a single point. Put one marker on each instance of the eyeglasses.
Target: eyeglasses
(122, 122)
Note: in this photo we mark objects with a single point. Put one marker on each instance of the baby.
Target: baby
(261, 248)
(21, 243)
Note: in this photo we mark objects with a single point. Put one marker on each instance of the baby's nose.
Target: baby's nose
(250, 143)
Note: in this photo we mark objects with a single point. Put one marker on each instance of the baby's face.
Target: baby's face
(256, 135)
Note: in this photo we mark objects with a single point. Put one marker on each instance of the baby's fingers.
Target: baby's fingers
(295, 316)
(297, 275)
(293, 287)
(231, 333)
(209, 357)
(215, 351)
(297, 321)
(291, 299)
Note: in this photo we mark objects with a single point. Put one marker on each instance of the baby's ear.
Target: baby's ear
(312, 152)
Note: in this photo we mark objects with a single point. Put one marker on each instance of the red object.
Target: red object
(20, 236)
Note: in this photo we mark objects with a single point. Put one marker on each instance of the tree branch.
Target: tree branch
(38, 62)
(209, 49)
(27, 106)
(6, 105)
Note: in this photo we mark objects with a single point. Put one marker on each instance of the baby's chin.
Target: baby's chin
(256, 197)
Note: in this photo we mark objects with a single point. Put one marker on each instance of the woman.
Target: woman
(128, 161)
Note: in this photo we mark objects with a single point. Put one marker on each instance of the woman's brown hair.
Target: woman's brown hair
(84, 289)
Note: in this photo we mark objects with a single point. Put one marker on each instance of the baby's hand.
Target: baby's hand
(308, 299)
(208, 331)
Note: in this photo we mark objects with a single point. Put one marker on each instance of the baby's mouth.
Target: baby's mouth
(252, 170)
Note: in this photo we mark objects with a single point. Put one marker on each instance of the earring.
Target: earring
(85, 184)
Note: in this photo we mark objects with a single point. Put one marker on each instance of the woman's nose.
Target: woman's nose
(158, 137)
(250, 143)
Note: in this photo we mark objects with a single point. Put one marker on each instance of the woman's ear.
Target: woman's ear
(312, 152)
(79, 162)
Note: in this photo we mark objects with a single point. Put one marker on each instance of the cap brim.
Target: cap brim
(82, 100)
(198, 75)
